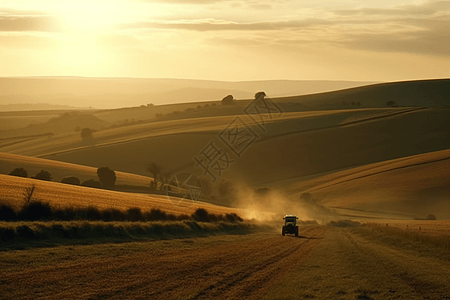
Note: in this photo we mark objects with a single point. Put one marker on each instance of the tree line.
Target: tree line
(106, 177)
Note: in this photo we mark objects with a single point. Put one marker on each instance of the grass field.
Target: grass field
(415, 186)
(62, 195)
(368, 171)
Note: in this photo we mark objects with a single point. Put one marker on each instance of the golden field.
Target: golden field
(63, 195)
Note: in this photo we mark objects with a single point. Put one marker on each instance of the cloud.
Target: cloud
(432, 38)
(419, 29)
(29, 23)
(221, 25)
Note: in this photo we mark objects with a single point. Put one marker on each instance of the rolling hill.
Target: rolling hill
(64, 195)
(299, 151)
(406, 187)
(425, 93)
(124, 92)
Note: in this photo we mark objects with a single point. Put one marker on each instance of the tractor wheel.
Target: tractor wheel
(282, 231)
(296, 231)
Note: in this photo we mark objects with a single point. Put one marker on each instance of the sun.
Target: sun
(93, 15)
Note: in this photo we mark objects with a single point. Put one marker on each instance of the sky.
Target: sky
(230, 40)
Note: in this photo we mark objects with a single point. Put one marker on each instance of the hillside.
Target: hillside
(62, 123)
(425, 93)
(59, 170)
(63, 195)
(294, 145)
(411, 186)
(299, 151)
(125, 92)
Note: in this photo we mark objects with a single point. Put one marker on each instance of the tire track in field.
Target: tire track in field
(228, 270)
(427, 277)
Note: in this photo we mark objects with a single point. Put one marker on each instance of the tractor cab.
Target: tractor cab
(290, 225)
(290, 219)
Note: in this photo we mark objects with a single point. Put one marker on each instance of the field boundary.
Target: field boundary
(24, 235)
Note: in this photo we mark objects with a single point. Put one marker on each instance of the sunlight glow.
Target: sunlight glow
(97, 15)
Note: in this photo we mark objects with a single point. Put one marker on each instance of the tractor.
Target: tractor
(290, 225)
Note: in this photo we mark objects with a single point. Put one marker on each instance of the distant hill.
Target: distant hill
(425, 93)
(36, 106)
(126, 92)
(63, 123)
(416, 185)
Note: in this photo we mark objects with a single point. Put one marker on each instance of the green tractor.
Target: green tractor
(290, 225)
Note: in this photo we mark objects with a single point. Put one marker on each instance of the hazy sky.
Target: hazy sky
(226, 39)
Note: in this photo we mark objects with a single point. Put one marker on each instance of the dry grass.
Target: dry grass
(20, 235)
(415, 185)
(63, 195)
(59, 170)
(435, 233)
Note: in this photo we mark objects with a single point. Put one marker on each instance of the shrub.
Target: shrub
(260, 95)
(233, 218)
(92, 183)
(71, 180)
(20, 172)
(26, 232)
(156, 215)
(201, 215)
(228, 100)
(107, 177)
(65, 214)
(43, 175)
(87, 133)
(7, 213)
(7, 233)
(134, 214)
(431, 217)
(93, 213)
(35, 210)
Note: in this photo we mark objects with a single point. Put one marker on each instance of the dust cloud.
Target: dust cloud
(272, 204)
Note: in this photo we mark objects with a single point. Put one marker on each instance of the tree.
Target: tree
(260, 95)
(159, 177)
(430, 217)
(358, 103)
(92, 183)
(71, 180)
(21, 172)
(390, 103)
(87, 133)
(228, 100)
(107, 177)
(43, 175)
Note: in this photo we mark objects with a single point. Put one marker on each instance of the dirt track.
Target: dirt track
(323, 263)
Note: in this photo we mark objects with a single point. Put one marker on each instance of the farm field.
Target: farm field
(324, 262)
(412, 186)
(59, 170)
(12, 191)
(361, 179)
